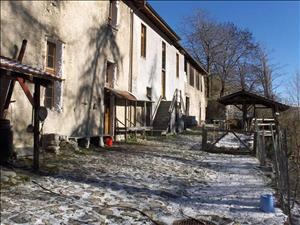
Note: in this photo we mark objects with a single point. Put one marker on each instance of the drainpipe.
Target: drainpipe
(131, 52)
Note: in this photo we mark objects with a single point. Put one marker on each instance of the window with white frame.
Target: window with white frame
(54, 65)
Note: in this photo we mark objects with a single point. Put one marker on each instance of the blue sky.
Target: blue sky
(275, 24)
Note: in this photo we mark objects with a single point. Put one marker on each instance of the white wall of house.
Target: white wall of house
(198, 101)
(147, 71)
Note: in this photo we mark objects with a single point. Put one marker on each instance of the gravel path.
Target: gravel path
(155, 181)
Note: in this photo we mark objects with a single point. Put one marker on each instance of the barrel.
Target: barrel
(6, 141)
(267, 203)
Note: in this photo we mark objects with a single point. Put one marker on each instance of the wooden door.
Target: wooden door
(107, 124)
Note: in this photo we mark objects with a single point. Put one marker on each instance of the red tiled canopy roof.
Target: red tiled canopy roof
(122, 94)
(17, 67)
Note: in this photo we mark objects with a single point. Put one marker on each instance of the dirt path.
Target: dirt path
(159, 180)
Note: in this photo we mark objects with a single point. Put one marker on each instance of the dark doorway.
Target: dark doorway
(187, 106)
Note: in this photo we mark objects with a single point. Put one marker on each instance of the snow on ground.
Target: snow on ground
(161, 179)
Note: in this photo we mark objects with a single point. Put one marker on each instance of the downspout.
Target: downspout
(131, 52)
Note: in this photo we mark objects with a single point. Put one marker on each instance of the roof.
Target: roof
(249, 98)
(162, 22)
(25, 71)
(122, 94)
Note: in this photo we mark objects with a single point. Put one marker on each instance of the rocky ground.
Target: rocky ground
(155, 181)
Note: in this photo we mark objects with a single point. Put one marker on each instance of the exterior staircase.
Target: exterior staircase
(168, 115)
(162, 118)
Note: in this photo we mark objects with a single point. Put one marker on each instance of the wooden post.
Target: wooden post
(130, 114)
(135, 117)
(145, 119)
(125, 122)
(36, 136)
(244, 108)
(255, 142)
(12, 82)
(145, 114)
(204, 137)
(115, 119)
(135, 113)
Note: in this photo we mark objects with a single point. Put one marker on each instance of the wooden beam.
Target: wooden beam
(244, 109)
(135, 116)
(145, 114)
(12, 82)
(249, 107)
(240, 140)
(135, 113)
(36, 130)
(238, 107)
(218, 140)
(26, 90)
(116, 119)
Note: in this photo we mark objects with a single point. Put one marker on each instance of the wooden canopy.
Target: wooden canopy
(26, 72)
(13, 70)
(121, 94)
(247, 98)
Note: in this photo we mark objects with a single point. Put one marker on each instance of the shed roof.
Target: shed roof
(249, 98)
(122, 94)
(27, 72)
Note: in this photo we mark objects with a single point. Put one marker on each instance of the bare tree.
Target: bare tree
(294, 89)
(219, 47)
(234, 52)
(266, 73)
(203, 38)
(244, 77)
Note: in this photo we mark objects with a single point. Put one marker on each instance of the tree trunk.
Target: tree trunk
(222, 88)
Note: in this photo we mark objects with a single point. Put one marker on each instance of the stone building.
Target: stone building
(116, 58)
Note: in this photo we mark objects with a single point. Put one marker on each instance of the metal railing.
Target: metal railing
(155, 110)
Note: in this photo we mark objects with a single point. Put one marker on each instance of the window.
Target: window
(185, 64)
(143, 40)
(192, 79)
(198, 81)
(113, 13)
(163, 69)
(49, 96)
(163, 55)
(177, 65)
(187, 106)
(53, 93)
(51, 57)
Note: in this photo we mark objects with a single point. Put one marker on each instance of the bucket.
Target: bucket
(267, 203)
(109, 141)
(6, 141)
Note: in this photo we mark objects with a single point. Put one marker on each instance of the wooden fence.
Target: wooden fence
(278, 156)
